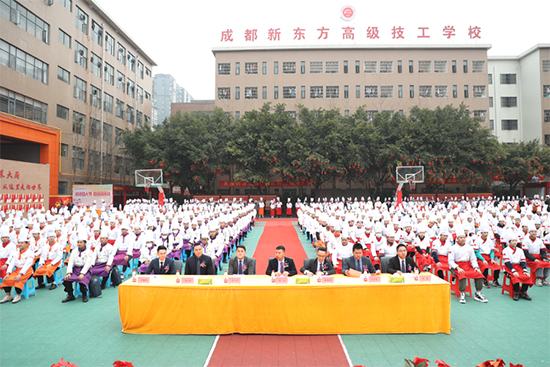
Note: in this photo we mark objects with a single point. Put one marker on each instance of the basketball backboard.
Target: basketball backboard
(149, 177)
(408, 174)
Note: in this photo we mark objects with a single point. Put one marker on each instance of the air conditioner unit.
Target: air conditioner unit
(128, 57)
(105, 68)
(92, 59)
(120, 79)
(82, 17)
(98, 64)
(50, 2)
(99, 32)
(81, 52)
(94, 91)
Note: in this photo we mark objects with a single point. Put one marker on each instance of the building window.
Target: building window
(109, 74)
(346, 91)
(547, 140)
(424, 66)
(508, 101)
(264, 67)
(107, 133)
(237, 114)
(81, 20)
(79, 123)
(411, 91)
(316, 91)
(357, 91)
(386, 67)
(315, 67)
(95, 65)
(130, 88)
(119, 161)
(466, 93)
(546, 91)
(26, 64)
(118, 137)
(139, 118)
(400, 91)
(251, 68)
(94, 128)
(386, 91)
(275, 67)
(237, 68)
(131, 61)
(237, 92)
(140, 69)
(224, 93)
(441, 91)
(303, 92)
(64, 38)
(478, 66)
(371, 67)
(371, 114)
(93, 161)
(345, 66)
(480, 91)
(264, 92)
(95, 96)
(129, 114)
(425, 91)
(147, 71)
(453, 63)
(64, 150)
(455, 91)
(139, 94)
(97, 33)
(80, 54)
(346, 113)
(121, 81)
(332, 67)
(107, 163)
(68, 4)
(80, 89)
(481, 114)
(509, 124)
(62, 112)
(546, 66)
(440, 66)
(25, 19)
(23, 106)
(121, 54)
(289, 67)
(147, 119)
(546, 115)
(79, 158)
(465, 66)
(109, 44)
(371, 91)
(411, 66)
(333, 91)
(399, 66)
(492, 124)
(251, 93)
(275, 92)
(108, 103)
(63, 75)
(289, 92)
(357, 66)
(490, 102)
(490, 76)
(119, 109)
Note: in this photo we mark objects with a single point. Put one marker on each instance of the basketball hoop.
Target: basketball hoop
(412, 184)
(147, 187)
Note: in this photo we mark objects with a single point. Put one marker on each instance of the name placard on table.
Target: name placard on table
(187, 280)
(281, 280)
(375, 279)
(234, 280)
(424, 278)
(144, 280)
(327, 280)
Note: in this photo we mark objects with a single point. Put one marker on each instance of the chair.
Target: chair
(384, 260)
(507, 286)
(178, 265)
(28, 288)
(454, 287)
(57, 277)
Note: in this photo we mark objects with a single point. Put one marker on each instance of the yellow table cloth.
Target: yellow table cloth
(257, 306)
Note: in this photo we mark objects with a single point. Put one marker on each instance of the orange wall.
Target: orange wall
(48, 137)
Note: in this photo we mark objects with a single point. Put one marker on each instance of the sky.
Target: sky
(179, 34)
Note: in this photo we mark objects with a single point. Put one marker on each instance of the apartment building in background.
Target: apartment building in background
(68, 65)
(165, 92)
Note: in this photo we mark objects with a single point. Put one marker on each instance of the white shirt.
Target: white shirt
(104, 255)
(5, 252)
(462, 253)
(484, 246)
(83, 259)
(55, 253)
(533, 246)
(23, 263)
(514, 256)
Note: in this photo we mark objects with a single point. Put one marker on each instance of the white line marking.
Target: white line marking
(345, 351)
(212, 351)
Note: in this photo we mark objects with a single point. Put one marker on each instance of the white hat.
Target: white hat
(24, 235)
(104, 233)
(82, 237)
(4, 231)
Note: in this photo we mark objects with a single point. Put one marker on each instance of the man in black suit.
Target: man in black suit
(281, 265)
(241, 264)
(320, 266)
(401, 263)
(199, 264)
(356, 265)
(161, 265)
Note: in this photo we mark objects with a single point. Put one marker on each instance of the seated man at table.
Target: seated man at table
(240, 264)
(199, 263)
(357, 264)
(320, 266)
(281, 265)
(161, 265)
(401, 263)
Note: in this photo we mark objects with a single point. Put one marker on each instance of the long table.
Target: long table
(257, 306)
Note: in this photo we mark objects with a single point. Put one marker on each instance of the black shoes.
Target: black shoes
(525, 296)
(84, 298)
(69, 298)
(516, 296)
(53, 286)
(40, 286)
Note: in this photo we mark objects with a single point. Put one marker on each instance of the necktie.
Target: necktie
(319, 268)
(358, 264)
(403, 266)
(161, 266)
(281, 267)
(240, 266)
(198, 266)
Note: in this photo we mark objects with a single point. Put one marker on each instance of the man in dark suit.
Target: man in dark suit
(356, 265)
(161, 265)
(241, 264)
(199, 264)
(320, 266)
(401, 263)
(281, 265)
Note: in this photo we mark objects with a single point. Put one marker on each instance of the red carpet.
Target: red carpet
(278, 350)
(278, 232)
